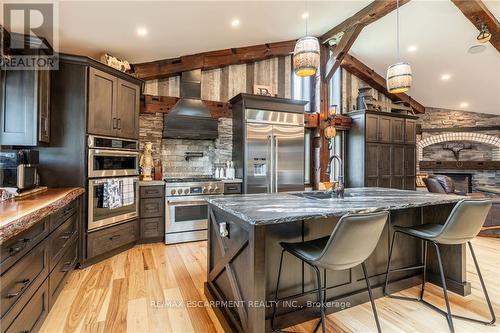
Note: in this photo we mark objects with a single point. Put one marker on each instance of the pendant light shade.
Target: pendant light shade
(306, 56)
(399, 78)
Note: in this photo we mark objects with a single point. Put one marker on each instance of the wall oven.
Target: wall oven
(109, 157)
(113, 181)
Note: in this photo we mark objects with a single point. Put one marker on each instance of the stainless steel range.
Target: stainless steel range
(186, 213)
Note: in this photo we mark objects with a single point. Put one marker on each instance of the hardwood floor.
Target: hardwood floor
(142, 290)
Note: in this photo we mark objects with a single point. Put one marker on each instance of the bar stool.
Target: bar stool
(352, 240)
(463, 224)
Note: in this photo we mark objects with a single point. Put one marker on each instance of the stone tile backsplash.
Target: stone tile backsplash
(172, 151)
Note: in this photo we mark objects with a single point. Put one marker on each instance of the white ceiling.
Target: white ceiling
(440, 31)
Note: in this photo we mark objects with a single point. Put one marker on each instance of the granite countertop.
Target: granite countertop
(151, 183)
(19, 215)
(260, 209)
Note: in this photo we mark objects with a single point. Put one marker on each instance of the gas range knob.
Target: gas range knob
(210, 189)
(186, 191)
(173, 191)
(205, 190)
(217, 189)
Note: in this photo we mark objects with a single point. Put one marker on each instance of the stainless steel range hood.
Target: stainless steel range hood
(190, 118)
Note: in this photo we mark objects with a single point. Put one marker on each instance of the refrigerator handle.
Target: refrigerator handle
(275, 160)
(269, 169)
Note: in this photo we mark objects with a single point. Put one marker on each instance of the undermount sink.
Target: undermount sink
(320, 195)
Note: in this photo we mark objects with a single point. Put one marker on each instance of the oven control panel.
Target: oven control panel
(180, 189)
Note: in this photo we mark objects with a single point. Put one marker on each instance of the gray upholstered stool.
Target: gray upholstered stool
(463, 224)
(352, 240)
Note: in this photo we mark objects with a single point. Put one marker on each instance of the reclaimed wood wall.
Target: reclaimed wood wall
(222, 84)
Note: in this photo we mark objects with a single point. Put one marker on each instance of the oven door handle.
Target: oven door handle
(103, 180)
(186, 202)
(106, 152)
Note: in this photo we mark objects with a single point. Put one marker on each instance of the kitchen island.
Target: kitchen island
(244, 252)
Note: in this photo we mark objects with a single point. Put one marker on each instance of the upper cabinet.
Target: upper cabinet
(25, 107)
(114, 105)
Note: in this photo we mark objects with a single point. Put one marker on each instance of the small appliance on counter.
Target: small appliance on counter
(19, 169)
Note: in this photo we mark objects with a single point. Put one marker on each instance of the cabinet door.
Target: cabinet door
(384, 163)
(371, 166)
(127, 115)
(384, 129)
(18, 109)
(397, 130)
(410, 131)
(397, 161)
(44, 106)
(409, 180)
(102, 103)
(372, 128)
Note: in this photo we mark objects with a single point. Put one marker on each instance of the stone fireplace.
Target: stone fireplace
(462, 145)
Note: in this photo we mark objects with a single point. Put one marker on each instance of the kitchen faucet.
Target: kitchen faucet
(339, 191)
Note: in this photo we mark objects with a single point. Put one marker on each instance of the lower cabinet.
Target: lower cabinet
(34, 266)
(152, 213)
(105, 241)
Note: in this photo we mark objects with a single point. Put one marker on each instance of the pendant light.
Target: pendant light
(399, 76)
(306, 54)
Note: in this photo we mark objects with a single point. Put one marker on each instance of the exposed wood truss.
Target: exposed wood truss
(367, 15)
(477, 12)
(341, 49)
(368, 75)
(213, 59)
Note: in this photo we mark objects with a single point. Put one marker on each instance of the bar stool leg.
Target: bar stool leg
(379, 330)
(276, 292)
(321, 301)
(445, 291)
(384, 290)
(493, 318)
(425, 271)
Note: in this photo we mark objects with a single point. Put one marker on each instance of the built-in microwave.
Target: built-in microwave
(111, 157)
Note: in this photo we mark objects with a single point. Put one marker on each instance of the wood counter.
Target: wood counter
(19, 215)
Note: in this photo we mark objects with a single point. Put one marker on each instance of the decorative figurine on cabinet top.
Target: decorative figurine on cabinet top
(146, 162)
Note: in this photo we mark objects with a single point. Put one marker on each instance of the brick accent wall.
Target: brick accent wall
(485, 143)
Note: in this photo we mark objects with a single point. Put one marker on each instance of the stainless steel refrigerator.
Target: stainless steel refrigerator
(268, 143)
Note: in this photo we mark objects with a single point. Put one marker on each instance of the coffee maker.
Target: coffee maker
(18, 169)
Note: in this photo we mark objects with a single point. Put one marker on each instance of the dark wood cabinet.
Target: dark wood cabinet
(102, 103)
(127, 114)
(378, 152)
(410, 131)
(25, 107)
(105, 241)
(34, 269)
(152, 213)
(113, 105)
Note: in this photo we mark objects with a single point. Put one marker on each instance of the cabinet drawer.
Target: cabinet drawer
(61, 271)
(21, 281)
(152, 207)
(16, 247)
(62, 214)
(102, 241)
(61, 238)
(31, 317)
(232, 188)
(152, 191)
(153, 227)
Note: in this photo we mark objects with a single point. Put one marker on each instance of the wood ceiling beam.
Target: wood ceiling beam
(369, 14)
(477, 13)
(365, 73)
(341, 49)
(213, 59)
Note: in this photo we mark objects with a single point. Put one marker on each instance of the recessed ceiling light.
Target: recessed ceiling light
(305, 15)
(445, 77)
(142, 31)
(235, 23)
(464, 105)
(412, 48)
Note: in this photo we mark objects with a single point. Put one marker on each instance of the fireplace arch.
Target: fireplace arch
(461, 136)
